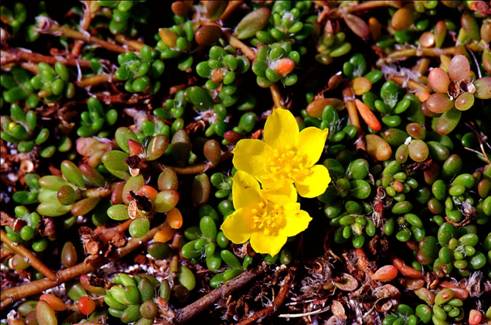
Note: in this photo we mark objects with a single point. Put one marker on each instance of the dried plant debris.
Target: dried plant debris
(245, 161)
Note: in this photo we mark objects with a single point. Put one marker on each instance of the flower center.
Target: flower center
(268, 217)
(287, 164)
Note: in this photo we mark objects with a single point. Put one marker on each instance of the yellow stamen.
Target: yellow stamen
(287, 164)
(268, 217)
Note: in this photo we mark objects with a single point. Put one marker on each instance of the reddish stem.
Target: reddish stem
(17, 55)
(11, 295)
(31, 258)
(277, 302)
(84, 25)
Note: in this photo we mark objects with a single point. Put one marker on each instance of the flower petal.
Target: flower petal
(245, 190)
(250, 155)
(279, 192)
(296, 222)
(311, 143)
(267, 244)
(315, 184)
(237, 226)
(281, 129)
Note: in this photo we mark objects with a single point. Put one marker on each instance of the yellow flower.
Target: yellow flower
(285, 156)
(266, 218)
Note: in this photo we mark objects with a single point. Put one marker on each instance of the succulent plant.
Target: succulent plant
(325, 161)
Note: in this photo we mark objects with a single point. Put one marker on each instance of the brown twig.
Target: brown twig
(11, 295)
(251, 55)
(481, 138)
(84, 25)
(476, 46)
(31, 67)
(31, 258)
(277, 302)
(17, 55)
(94, 80)
(348, 97)
(309, 313)
(422, 52)
(375, 4)
(275, 94)
(231, 6)
(349, 102)
(369, 5)
(421, 67)
(105, 234)
(131, 44)
(237, 44)
(51, 27)
(421, 91)
(190, 311)
(5, 253)
(411, 84)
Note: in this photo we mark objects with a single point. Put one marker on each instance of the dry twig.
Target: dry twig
(251, 55)
(11, 295)
(422, 52)
(364, 6)
(19, 55)
(232, 5)
(84, 25)
(94, 80)
(190, 311)
(31, 258)
(277, 302)
(275, 94)
(238, 44)
(131, 44)
(51, 27)
(309, 313)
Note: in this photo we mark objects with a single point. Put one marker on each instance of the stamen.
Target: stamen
(268, 217)
(287, 164)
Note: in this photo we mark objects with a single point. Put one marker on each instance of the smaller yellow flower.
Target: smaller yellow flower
(265, 218)
(285, 156)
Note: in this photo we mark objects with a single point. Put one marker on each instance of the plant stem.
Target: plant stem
(55, 29)
(374, 4)
(16, 55)
(232, 5)
(277, 302)
(237, 44)
(31, 258)
(411, 84)
(310, 313)
(275, 94)
(421, 91)
(348, 97)
(132, 44)
(94, 80)
(190, 311)
(251, 55)
(31, 67)
(11, 295)
(84, 24)
(422, 52)
(365, 6)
